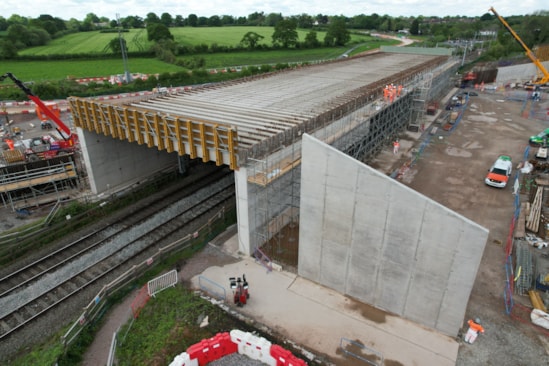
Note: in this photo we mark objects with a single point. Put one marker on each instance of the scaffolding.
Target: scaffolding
(274, 184)
(360, 128)
(420, 101)
(37, 183)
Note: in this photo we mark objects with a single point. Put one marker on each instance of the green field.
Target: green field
(95, 43)
(136, 39)
(57, 70)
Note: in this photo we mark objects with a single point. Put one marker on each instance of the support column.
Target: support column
(242, 210)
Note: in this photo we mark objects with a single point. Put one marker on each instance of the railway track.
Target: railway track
(35, 289)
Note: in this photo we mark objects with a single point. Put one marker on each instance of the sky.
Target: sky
(67, 9)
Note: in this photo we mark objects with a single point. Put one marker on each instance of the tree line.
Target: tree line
(18, 32)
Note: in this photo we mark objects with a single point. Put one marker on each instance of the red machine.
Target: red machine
(44, 112)
(240, 290)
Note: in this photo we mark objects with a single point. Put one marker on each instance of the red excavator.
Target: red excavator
(46, 148)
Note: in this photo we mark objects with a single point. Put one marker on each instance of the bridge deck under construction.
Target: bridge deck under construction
(230, 122)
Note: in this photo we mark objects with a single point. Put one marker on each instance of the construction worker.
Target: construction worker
(396, 146)
(474, 329)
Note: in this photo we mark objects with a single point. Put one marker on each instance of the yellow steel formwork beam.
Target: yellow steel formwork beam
(169, 140)
(139, 128)
(159, 139)
(126, 120)
(216, 142)
(232, 143)
(115, 132)
(179, 137)
(203, 139)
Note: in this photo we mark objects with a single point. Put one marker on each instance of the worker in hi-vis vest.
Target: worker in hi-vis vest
(396, 146)
(474, 329)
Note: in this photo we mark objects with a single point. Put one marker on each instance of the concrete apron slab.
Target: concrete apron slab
(317, 317)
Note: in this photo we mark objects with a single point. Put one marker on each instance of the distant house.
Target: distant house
(488, 33)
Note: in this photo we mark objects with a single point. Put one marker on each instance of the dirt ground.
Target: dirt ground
(451, 171)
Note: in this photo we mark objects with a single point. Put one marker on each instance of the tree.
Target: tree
(272, 19)
(256, 18)
(179, 21)
(19, 35)
(157, 32)
(414, 28)
(192, 20)
(304, 21)
(285, 33)
(91, 18)
(337, 34)
(152, 18)
(311, 40)
(202, 21)
(486, 17)
(227, 20)
(166, 19)
(3, 23)
(322, 19)
(116, 46)
(214, 21)
(7, 49)
(251, 39)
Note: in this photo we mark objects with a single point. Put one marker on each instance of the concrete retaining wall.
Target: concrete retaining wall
(372, 238)
(112, 163)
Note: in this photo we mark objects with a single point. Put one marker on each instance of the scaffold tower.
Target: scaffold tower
(420, 99)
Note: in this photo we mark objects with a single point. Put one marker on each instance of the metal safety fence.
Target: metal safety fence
(98, 304)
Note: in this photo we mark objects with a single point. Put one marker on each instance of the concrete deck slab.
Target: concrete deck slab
(316, 317)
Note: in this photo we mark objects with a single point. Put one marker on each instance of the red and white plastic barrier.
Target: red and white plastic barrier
(245, 343)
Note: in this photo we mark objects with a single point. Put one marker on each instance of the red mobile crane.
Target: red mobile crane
(544, 77)
(46, 149)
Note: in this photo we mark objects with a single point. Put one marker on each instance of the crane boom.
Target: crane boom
(545, 75)
(64, 128)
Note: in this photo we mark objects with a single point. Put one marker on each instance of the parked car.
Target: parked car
(540, 139)
(499, 173)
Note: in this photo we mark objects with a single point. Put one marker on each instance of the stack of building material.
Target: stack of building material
(532, 223)
(536, 300)
(520, 229)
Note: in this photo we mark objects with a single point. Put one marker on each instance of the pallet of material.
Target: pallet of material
(536, 300)
(520, 225)
(13, 156)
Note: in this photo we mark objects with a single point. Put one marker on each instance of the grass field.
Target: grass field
(57, 70)
(136, 39)
(96, 43)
